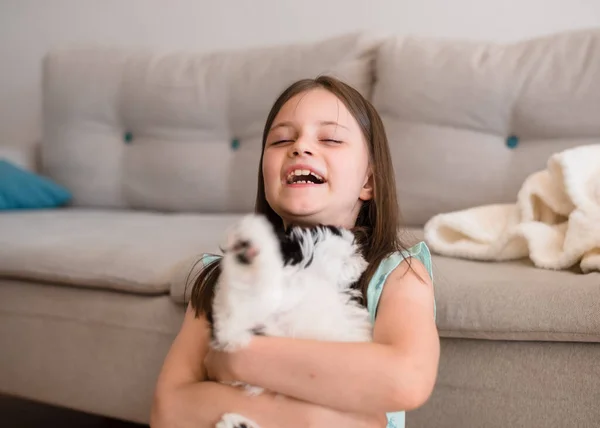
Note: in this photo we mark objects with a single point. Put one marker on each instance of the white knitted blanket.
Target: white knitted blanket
(555, 220)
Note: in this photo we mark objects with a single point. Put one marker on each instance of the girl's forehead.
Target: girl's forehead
(316, 105)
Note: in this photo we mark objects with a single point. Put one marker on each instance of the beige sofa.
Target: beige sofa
(160, 151)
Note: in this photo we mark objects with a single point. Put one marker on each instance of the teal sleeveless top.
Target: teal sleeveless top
(420, 252)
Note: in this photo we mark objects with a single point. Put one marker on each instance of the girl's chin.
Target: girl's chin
(302, 217)
(302, 205)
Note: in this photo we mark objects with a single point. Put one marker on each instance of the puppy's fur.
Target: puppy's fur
(300, 284)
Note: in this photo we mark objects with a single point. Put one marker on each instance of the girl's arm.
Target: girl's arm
(201, 404)
(396, 372)
(183, 398)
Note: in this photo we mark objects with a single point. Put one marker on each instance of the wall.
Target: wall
(29, 28)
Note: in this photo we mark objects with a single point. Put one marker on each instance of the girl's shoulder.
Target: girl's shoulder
(419, 251)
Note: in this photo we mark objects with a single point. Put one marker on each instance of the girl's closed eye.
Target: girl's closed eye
(281, 141)
(326, 140)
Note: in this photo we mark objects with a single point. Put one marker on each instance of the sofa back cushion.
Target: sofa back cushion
(469, 121)
(175, 131)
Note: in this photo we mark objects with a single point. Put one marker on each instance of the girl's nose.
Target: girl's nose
(300, 148)
(301, 151)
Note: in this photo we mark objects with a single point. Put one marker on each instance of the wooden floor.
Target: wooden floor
(16, 413)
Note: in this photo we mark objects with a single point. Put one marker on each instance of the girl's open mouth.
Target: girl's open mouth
(304, 176)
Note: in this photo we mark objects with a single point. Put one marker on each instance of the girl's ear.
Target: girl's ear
(366, 193)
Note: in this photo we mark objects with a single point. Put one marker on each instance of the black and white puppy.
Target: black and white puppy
(299, 284)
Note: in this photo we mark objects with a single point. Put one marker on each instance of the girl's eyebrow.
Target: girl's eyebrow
(282, 125)
(322, 123)
(331, 122)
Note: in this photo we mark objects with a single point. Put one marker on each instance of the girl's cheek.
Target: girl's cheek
(270, 170)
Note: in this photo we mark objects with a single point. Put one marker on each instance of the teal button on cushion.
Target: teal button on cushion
(128, 137)
(512, 141)
(21, 190)
(235, 144)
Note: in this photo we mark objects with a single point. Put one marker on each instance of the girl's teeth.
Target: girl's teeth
(299, 172)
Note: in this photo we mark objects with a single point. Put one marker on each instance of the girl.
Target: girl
(327, 127)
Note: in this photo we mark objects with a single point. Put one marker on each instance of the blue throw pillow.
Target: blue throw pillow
(21, 189)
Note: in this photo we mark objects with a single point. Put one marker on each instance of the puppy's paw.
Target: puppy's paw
(250, 390)
(251, 239)
(242, 249)
(233, 420)
(253, 390)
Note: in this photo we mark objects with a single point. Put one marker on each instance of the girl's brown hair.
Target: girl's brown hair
(377, 225)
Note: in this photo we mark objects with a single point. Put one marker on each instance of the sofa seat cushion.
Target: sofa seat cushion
(151, 253)
(129, 251)
(514, 301)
